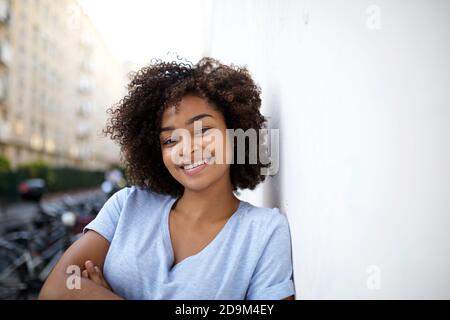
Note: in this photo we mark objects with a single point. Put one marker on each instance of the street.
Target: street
(22, 212)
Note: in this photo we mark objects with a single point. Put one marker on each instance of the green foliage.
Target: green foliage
(5, 166)
(56, 178)
(37, 169)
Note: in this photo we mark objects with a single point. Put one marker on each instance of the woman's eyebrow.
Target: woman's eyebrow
(198, 117)
(191, 120)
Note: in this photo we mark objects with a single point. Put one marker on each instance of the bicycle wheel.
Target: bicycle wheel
(11, 285)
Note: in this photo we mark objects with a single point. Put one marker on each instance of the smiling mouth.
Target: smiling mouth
(191, 169)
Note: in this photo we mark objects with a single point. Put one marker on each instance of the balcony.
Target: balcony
(85, 108)
(6, 53)
(87, 65)
(83, 131)
(85, 85)
(5, 11)
(5, 131)
(3, 88)
(85, 152)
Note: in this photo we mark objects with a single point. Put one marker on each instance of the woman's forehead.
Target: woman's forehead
(187, 108)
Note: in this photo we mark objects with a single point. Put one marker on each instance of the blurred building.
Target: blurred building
(57, 78)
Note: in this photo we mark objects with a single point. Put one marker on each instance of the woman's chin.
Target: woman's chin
(200, 180)
(196, 186)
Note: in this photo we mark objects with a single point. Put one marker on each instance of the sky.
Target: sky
(138, 30)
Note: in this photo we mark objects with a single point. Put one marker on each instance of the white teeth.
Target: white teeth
(199, 163)
(194, 165)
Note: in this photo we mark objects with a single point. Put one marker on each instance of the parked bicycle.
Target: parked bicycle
(29, 253)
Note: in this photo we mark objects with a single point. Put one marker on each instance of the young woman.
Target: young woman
(180, 232)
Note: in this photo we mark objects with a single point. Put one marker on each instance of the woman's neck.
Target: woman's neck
(210, 205)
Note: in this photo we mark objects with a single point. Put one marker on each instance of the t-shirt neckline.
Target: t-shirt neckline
(168, 241)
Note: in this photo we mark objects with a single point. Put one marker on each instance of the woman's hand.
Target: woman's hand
(90, 247)
(93, 273)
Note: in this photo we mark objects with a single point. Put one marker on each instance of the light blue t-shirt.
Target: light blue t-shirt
(250, 258)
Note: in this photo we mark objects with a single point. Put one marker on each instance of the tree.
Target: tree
(5, 168)
(37, 169)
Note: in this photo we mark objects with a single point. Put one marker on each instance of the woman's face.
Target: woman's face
(194, 145)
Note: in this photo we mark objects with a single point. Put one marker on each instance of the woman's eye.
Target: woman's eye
(169, 141)
(202, 131)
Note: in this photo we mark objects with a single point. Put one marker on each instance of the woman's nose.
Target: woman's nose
(191, 151)
(196, 146)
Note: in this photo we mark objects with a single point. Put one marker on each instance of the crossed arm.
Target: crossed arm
(88, 254)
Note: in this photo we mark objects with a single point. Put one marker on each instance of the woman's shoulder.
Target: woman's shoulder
(139, 194)
(264, 213)
(266, 233)
(133, 200)
(266, 218)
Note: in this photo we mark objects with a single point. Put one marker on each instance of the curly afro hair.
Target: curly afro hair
(135, 120)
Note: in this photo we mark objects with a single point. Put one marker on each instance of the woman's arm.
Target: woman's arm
(91, 246)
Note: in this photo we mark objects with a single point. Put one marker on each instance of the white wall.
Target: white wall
(364, 118)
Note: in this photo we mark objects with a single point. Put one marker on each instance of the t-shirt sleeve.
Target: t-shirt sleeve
(105, 222)
(273, 275)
